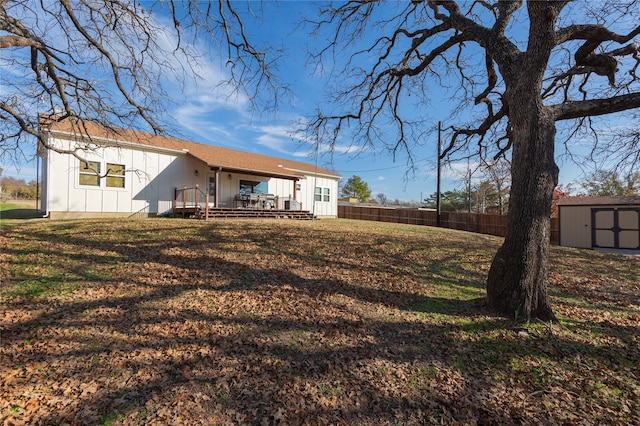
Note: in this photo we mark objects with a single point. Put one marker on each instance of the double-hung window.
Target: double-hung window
(115, 175)
(89, 173)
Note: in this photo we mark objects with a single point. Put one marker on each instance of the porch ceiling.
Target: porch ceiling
(226, 169)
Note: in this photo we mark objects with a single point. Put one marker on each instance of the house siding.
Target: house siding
(320, 208)
(149, 182)
(151, 176)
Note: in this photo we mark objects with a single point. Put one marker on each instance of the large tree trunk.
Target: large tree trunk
(517, 281)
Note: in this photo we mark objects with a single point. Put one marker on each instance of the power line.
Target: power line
(371, 170)
(384, 168)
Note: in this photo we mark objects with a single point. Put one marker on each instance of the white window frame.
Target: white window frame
(119, 175)
(102, 180)
(91, 172)
(322, 194)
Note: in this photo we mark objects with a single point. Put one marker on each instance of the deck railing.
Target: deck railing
(191, 198)
(289, 203)
(193, 201)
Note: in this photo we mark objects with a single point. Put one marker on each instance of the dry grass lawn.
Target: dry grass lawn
(169, 321)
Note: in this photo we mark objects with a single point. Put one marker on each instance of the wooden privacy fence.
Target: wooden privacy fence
(479, 223)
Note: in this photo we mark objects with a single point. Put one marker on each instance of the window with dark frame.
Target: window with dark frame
(252, 187)
(89, 174)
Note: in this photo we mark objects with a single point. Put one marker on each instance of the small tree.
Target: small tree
(357, 188)
(499, 172)
(485, 197)
(450, 201)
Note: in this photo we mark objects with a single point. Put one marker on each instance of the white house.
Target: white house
(123, 172)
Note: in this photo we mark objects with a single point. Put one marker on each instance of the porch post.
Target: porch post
(175, 199)
(295, 185)
(184, 199)
(217, 187)
(196, 199)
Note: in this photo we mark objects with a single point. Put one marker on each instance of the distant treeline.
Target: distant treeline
(17, 188)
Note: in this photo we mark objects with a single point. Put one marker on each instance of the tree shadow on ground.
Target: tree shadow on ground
(20, 213)
(182, 333)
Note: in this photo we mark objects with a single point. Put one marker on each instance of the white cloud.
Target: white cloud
(272, 142)
(299, 154)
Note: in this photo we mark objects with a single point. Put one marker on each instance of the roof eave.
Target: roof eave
(100, 140)
(250, 171)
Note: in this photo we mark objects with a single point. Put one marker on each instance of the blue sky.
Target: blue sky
(205, 113)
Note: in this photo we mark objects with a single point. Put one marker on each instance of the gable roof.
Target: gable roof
(599, 201)
(216, 157)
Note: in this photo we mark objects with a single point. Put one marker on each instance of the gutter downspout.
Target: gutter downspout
(45, 157)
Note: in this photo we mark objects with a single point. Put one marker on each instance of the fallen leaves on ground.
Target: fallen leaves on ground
(280, 322)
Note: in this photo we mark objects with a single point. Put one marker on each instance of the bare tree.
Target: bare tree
(102, 61)
(381, 198)
(518, 67)
(499, 171)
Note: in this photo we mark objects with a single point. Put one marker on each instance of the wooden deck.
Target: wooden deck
(221, 212)
(193, 202)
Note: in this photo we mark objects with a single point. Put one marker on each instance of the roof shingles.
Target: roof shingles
(599, 201)
(213, 156)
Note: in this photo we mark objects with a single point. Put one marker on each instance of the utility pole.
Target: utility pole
(439, 174)
(468, 187)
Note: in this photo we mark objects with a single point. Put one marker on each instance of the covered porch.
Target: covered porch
(193, 202)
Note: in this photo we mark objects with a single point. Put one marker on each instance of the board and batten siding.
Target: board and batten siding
(150, 177)
(307, 192)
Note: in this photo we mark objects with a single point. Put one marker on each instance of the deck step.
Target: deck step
(267, 214)
(221, 213)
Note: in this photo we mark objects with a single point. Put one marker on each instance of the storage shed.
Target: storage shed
(599, 222)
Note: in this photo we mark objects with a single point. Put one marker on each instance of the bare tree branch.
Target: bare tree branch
(510, 90)
(105, 61)
(594, 107)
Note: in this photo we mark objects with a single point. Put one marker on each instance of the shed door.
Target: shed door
(615, 228)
